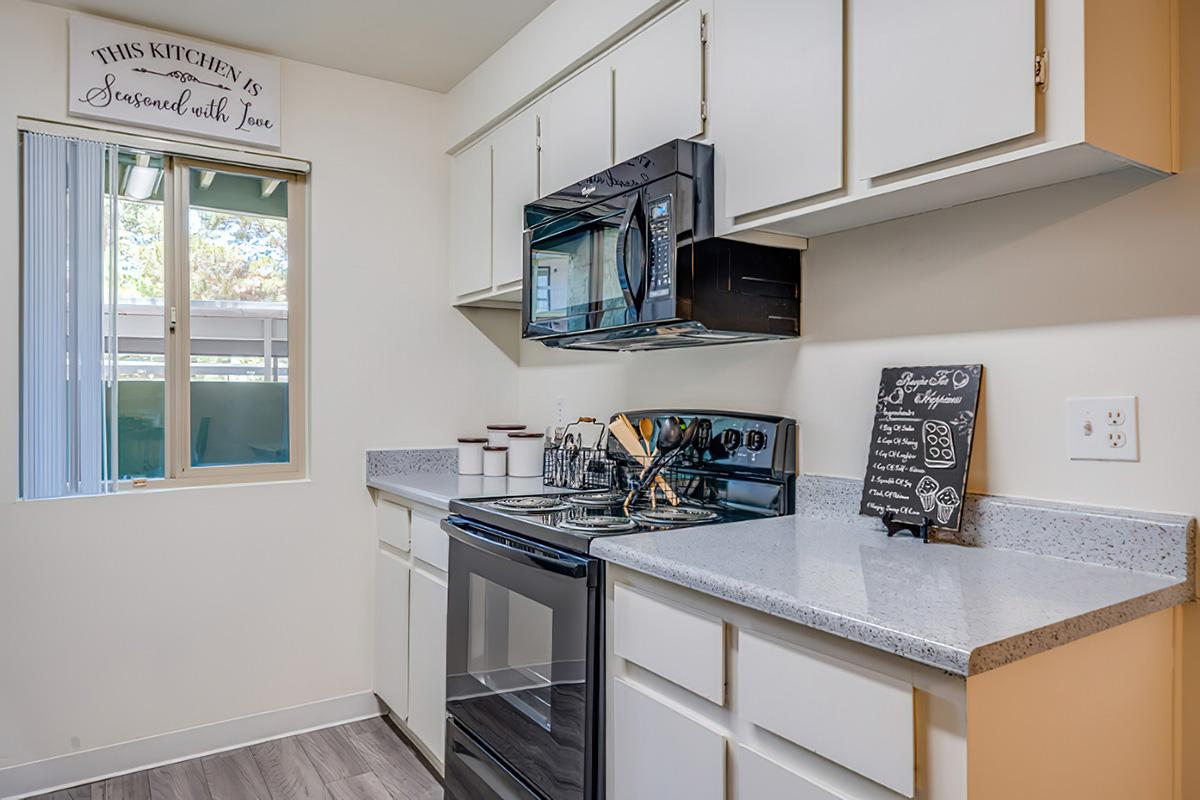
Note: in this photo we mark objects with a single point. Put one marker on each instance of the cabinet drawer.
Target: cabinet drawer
(757, 776)
(860, 719)
(392, 524)
(684, 646)
(661, 753)
(429, 541)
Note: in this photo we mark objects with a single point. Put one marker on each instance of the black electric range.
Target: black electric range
(525, 630)
(573, 521)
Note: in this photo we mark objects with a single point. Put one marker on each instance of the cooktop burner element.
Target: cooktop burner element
(599, 524)
(597, 499)
(531, 505)
(674, 515)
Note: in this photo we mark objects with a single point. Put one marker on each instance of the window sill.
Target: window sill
(165, 485)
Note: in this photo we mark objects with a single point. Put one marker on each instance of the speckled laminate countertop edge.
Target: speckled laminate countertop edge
(953, 660)
(1031, 643)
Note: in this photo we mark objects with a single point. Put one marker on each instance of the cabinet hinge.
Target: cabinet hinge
(704, 29)
(703, 110)
(1041, 70)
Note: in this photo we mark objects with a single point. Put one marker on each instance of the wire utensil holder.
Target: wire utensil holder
(571, 468)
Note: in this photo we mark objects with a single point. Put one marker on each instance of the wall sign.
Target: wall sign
(921, 444)
(142, 77)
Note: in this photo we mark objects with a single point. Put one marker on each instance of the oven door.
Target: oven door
(523, 660)
(585, 271)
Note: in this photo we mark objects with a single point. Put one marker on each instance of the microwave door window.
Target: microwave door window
(575, 278)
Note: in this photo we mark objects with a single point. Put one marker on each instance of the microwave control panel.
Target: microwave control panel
(661, 250)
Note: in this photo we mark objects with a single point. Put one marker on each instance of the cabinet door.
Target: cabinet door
(660, 752)
(777, 82)
(427, 665)
(577, 129)
(514, 183)
(756, 776)
(936, 78)
(391, 630)
(471, 219)
(659, 84)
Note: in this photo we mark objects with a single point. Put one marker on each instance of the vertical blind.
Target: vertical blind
(64, 429)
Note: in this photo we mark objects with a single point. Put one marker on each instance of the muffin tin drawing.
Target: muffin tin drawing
(937, 445)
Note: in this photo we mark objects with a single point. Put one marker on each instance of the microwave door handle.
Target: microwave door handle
(631, 208)
(570, 567)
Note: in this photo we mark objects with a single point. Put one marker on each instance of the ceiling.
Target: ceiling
(430, 44)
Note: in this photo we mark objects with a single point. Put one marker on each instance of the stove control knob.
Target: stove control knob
(755, 439)
(731, 438)
(703, 435)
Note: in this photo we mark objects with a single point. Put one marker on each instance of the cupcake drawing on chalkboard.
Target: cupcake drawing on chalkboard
(926, 490)
(947, 501)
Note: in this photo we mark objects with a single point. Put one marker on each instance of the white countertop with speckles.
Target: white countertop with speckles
(437, 489)
(962, 609)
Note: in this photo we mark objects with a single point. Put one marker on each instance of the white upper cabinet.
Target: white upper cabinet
(777, 84)
(471, 220)
(658, 86)
(577, 129)
(514, 183)
(935, 78)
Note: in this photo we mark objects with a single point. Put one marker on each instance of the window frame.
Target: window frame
(177, 348)
(294, 172)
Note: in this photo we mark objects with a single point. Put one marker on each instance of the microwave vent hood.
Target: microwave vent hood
(627, 260)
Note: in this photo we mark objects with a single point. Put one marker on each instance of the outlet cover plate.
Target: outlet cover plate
(1102, 428)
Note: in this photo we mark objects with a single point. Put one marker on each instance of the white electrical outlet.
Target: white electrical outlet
(1102, 428)
(560, 411)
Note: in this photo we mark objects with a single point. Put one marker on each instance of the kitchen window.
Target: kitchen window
(163, 301)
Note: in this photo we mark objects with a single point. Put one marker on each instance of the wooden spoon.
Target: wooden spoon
(646, 428)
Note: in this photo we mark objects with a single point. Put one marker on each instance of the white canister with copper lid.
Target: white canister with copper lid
(495, 461)
(525, 454)
(498, 434)
(470, 455)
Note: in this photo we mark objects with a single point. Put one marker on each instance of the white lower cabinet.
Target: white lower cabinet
(410, 620)
(427, 661)
(391, 629)
(660, 752)
(756, 777)
(699, 685)
(855, 717)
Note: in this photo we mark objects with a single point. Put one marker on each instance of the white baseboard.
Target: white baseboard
(98, 763)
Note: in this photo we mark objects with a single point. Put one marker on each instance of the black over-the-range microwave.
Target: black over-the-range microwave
(627, 260)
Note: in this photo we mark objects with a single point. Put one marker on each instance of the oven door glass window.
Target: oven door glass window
(576, 280)
(509, 649)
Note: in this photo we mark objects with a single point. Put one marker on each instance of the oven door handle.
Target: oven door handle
(548, 560)
(632, 295)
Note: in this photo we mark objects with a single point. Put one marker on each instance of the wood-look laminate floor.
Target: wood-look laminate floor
(363, 760)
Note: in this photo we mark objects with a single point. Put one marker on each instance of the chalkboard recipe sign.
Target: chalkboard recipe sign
(921, 444)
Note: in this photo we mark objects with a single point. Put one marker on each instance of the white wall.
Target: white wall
(133, 615)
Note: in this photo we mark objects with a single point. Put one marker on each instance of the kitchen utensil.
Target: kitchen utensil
(623, 429)
(646, 428)
(685, 441)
